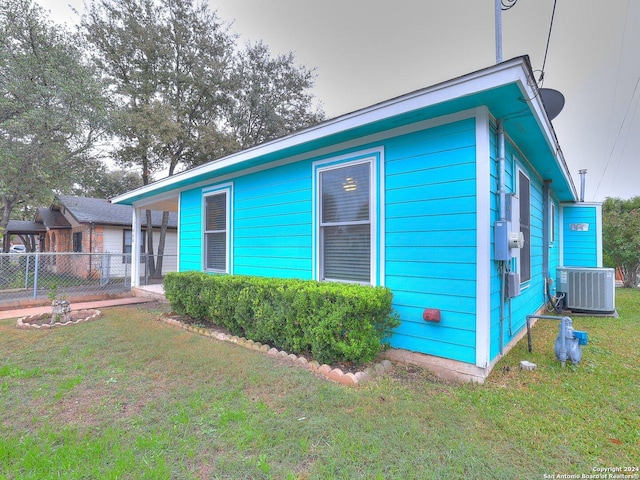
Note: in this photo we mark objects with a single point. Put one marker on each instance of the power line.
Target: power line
(546, 50)
(615, 94)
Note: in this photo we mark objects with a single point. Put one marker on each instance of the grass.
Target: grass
(130, 397)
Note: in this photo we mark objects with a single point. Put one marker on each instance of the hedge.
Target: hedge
(336, 322)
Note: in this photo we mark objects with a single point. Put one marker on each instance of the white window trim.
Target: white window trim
(374, 158)
(516, 221)
(552, 222)
(227, 189)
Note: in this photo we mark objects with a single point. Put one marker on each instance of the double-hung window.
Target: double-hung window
(216, 231)
(345, 222)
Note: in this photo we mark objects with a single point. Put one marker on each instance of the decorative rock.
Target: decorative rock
(379, 369)
(370, 372)
(362, 378)
(387, 365)
(348, 379)
(335, 374)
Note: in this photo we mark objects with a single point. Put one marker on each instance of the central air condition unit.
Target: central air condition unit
(587, 289)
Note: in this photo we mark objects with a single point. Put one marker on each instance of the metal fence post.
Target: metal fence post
(35, 278)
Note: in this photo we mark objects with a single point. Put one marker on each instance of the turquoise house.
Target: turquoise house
(456, 197)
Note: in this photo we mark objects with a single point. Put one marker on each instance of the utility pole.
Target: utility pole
(498, 14)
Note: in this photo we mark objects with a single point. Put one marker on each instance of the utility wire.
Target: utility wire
(546, 50)
(615, 142)
(615, 94)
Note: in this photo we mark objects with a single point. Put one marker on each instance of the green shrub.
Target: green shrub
(336, 322)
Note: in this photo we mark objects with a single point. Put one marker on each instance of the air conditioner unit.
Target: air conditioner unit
(587, 289)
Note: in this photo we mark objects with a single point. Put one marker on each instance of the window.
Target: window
(552, 222)
(524, 190)
(126, 246)
(77, 242)
(216, 238)
(345, 228)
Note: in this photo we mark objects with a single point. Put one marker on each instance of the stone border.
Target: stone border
(334, 374)
(92, 315)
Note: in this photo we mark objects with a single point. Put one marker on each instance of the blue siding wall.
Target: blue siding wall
(531, 297)
(431, 238)
(430, 235)
(273, 230)
(580, 247)
(190, 230)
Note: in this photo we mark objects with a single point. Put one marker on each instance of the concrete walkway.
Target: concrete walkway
(145, 294)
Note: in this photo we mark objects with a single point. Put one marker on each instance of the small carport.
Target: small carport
(31, 234)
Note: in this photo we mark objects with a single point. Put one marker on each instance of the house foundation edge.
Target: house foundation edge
(453, 370)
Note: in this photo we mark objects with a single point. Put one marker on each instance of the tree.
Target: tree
(51, 107)
(168, 65)
(272, 98)
(621, 238)
(182, 92)
(105, 183)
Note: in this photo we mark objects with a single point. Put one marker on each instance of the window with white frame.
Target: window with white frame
(345, 222)
(216, 238)
(524, 195)
(552, 221)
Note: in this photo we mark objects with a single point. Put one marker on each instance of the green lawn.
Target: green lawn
(129, 397)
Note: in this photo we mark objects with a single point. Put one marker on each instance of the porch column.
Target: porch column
(136, 238)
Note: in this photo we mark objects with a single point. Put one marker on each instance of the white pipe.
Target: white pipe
(501, 171)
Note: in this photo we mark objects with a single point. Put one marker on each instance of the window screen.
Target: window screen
(345, 223)
(216, 232)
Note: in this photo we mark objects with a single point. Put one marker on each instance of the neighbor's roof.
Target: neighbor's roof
(102, 212)
(508, 90)
(52, 218)
(24, 227)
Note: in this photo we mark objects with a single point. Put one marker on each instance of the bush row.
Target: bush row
(336, 322)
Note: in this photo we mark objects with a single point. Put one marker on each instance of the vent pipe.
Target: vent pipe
(583, 174)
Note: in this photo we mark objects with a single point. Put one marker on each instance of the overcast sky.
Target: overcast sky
(367, 51)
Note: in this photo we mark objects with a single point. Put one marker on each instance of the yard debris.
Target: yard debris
(525, 365)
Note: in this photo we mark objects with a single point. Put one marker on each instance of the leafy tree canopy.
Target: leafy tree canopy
(621, 237)
(51, 107)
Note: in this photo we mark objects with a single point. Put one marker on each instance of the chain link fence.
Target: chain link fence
(41, 276)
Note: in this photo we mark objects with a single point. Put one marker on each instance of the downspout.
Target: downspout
(545, 228)
(503, 217)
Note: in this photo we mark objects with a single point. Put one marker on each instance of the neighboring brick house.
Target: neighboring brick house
(94, 225)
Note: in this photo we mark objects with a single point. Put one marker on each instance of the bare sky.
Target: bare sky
(367, 51)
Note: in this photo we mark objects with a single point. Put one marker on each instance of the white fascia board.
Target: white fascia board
(491, 77)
